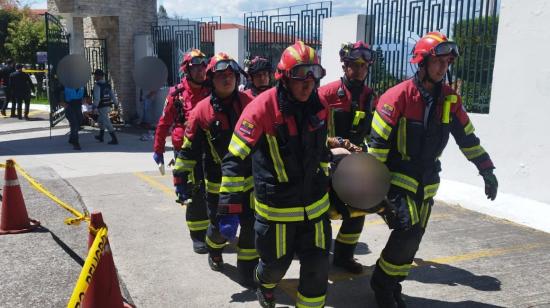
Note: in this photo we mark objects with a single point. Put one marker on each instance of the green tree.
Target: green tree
(8, 14)
(25, 38)
(381, 78)
(162, 12)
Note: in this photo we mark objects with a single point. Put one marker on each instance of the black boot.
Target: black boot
(100, 136)
(246, 272)
(199, 247)
(113, 139)
(383, 288)
(76, 146)
(265, 296)
(215, 262)
(398, 296)
(343, 257)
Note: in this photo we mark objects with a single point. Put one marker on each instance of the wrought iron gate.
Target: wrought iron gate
(57, 42)
(172, 37)
(394, 26)
(268, 33)
(96, 53)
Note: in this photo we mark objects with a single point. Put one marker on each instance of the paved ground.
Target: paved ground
(466, 259)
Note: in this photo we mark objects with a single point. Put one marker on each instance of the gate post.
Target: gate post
(230, 41)
(336, 31)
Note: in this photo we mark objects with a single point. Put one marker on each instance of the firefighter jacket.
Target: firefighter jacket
(253, 91)
(180, 101)
(350, 110)
(410, 130)
(207, 136)
(290, 159)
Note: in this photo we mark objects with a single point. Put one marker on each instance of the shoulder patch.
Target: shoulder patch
(388, 110)
(246, 128)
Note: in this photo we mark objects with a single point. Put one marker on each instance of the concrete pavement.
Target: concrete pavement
(466, 259)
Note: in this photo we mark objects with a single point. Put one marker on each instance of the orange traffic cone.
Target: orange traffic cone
(14, 217)
(104, 290)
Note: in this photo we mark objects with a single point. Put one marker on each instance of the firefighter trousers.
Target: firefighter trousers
(277, 243)
(348, 236)
(396, 258)
(196, 214)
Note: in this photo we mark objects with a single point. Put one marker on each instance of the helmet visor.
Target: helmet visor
(225, 64)
(304, 71)
(446, 48)
(360, 53)
(198, 61)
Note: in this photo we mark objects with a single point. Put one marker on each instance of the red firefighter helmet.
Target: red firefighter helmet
(433, 44)
(299, 61)
(358, 51)
(192, 57)
(221, 62)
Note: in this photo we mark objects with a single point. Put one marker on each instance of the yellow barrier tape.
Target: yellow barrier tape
(92, 260)
(69, 221)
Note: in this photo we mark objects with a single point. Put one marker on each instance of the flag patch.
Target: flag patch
(387, 110)
(246, 128)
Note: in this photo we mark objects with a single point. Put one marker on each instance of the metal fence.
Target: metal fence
(95, 51)
(394, 26)
(57, 42)
(269, 32)
(173, 37)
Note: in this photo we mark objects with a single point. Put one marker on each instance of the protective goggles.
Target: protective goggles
(304, 71)
(225, 64)
(360, 53)
(198, 61)
(445, 48)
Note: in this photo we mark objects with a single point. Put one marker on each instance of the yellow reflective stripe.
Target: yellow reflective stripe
(380, 154)
(404, 181)
(392, 269)
(359, 115)
(265, 285)
(469, 128)
(277, 160)
(248, 183)
(232, 184)
(252, 203)
(247, 254)
(424, 213)
(430, 190)
(212, 187)
(280, 235)
(320, 235)
(380, 126)
(310, 302)
(325, 167)
(318, 208)
(214, 245)
(237, 147)
(349, 239)
(449, 99)
(473, 152)
(412, 210)
(186, 143)
(402, 138)
(215, 155)
(184, 165)
(198, 225)
(331, 127)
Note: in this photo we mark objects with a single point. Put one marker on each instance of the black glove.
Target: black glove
(491, 183)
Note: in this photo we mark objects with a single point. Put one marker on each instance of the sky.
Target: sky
(232, 11)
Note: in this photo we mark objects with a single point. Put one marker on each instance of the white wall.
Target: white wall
(337, 31)
(515, 132)
(230, 41)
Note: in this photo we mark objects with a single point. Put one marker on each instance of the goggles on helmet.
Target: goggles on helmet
(199, 61)
(304, 71)
(360, 53)
(225, 64)
(446, 48)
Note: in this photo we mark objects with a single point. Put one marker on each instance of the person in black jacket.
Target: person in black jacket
(5, 73)
(20, 90)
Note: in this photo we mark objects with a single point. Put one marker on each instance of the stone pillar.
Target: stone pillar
(230, 41)
(337, 31)
(75, 27)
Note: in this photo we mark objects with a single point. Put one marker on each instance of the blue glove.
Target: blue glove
(228, 226)
(182, 194)
(159, 158)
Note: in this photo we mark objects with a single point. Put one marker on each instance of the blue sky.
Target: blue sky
(232, 11)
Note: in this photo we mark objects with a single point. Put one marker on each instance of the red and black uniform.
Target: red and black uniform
(287, 143)
(180, 101)
(350, 115)
(207, 137)
(253, 91)
(410, 129)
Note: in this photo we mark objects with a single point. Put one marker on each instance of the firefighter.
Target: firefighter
(180, 101)
(284, 132)
(410, 129)
(206, 140)
(103, 99)
(350, 102)
(259, 70)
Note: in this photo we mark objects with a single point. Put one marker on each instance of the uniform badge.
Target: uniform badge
(387, 110)
(246, 128)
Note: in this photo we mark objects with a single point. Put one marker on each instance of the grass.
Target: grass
(40, 100)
